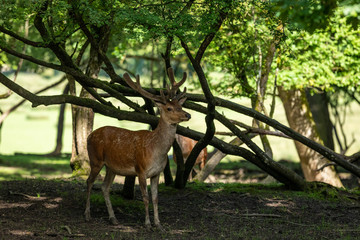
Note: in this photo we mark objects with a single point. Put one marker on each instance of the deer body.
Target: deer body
(136, 153)
(128, 153)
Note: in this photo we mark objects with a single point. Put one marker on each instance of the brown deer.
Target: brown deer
(186, 145)
(137, 153)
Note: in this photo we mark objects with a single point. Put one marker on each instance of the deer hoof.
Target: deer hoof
(160, 228)
(148, 226)
(87, 217)
(114, 221)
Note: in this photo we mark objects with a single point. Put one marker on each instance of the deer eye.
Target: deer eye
(169, 109)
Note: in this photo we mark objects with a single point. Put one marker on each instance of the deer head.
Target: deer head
(169, 104)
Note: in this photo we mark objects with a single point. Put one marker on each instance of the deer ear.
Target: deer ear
(182, 100)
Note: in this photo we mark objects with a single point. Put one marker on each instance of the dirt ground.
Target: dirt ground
(44, 209)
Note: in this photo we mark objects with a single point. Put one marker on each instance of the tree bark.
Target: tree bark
(210, 99)
(83, 121)
(214, 161)
(179, 180)
(299, 117)
(128, 190)
(318, 103)
(83, 118)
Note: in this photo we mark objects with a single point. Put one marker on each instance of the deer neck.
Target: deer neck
(164, 135)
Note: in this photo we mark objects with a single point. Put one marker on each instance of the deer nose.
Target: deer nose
(188, 115)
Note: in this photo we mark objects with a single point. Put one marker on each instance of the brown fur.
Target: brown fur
(134, 153)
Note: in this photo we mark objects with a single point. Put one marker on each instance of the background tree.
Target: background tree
(233, 47)
(319, 61)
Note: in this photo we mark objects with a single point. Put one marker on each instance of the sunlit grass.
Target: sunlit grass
(31, 166)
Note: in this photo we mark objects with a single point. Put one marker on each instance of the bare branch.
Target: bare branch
(22, 39)
(32, 59)
(257, 131)
(84, 80)
(5, 114)
(326, 152)
(120, 115)
(26, 33)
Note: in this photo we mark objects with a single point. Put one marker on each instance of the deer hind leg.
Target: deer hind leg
(109, 178)
(145, 196)
(90, 182)
(154, 194)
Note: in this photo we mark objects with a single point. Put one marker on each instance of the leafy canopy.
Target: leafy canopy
(323, 59)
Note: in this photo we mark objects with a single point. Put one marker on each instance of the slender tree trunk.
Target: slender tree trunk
(180, 169)
(299, 117)
(128, 190)
(167, 174)
(60, 127)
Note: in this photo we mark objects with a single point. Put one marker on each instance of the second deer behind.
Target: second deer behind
(186, 145)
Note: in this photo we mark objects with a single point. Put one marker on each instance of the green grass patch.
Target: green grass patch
(118, 201)
(321, 192)
(254, 188)
(16, 167)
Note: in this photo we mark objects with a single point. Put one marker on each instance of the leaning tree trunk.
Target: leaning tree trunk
(214, 161)
(300, 119)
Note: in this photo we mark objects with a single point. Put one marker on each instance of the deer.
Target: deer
(186, 145)
(140, 153)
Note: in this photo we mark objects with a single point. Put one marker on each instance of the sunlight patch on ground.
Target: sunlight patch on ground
(21, 233)
(181, 231)
(7, 173)
(5, 205)
(279, 203)
(125, 229)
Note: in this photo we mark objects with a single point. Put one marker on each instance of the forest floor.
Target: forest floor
(53, 209)
(36, 207)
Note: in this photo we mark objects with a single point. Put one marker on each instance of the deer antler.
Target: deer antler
(171, 91)
(137, 87)
(175, 86)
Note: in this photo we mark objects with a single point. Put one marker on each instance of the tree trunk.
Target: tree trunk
(180, 169)
(213, 161)
(318, 103)
(128, 190)
(167, 174)
(60, 127)
(83, 121)
(300, 119)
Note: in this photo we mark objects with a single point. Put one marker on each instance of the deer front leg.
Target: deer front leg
(154, 194)
(145, 196)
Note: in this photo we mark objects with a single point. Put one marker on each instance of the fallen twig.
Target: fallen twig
(260, 215)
